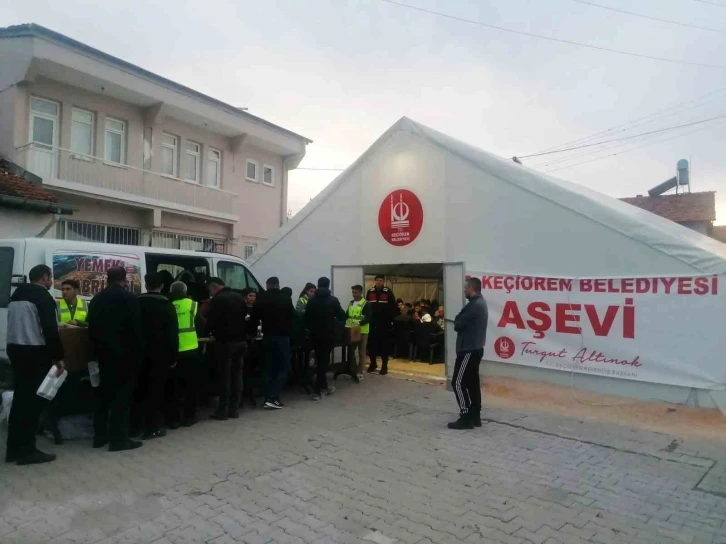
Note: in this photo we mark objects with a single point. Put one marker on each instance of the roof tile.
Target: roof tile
(17, 186)
(682, 207)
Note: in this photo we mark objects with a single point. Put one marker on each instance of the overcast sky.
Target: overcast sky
(342, 71)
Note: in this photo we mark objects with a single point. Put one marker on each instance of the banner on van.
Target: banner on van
(89, 269)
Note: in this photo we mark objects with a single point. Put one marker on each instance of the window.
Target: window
(96, 232)
(168, 154)
(115, 141)
(251, 170)
(7, 254)
(249, 250)
(82, 132)
(38, 105)
(43, 123)
(236, 276)
(172, 240)
(191, 157)
(214, 167)
(268, 175)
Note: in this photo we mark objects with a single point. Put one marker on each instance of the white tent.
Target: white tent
(419, 196)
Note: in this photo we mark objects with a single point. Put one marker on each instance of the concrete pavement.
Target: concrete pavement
(375, 463)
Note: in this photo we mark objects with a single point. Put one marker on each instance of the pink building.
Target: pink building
(142, 159)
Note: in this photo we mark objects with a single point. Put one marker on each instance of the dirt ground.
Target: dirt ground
(514, 394)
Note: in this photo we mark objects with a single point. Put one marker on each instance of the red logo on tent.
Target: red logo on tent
(400, 217)
(504, 347)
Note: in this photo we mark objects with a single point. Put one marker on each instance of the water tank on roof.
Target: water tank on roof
(683, 173)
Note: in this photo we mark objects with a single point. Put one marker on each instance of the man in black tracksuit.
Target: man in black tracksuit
(383, 310)
(33, 347)
(114, 328)
(321, 314)
(161, 344)
(471, 326)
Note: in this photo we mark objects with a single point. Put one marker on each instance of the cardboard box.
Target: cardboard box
(355, 335)
(77, 348)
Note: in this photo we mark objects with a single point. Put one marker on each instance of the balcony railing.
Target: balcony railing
(65, 169)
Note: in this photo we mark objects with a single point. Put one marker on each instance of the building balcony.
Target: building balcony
(69, 171)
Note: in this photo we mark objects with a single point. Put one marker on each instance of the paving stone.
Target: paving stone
(375, 463)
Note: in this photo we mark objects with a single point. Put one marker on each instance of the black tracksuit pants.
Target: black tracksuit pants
(182, 388)
(114, 396)
(323, 350)
(149, 394)
(465, 382)
(379, 345)
(29, 370)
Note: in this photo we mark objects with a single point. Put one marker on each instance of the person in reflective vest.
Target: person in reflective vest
(71, 309)
(185, 376)
(359, 315)
(305, 296)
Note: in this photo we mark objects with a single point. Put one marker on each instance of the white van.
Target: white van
(88, 262)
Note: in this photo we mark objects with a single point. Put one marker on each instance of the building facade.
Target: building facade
(696, 211)
(142, 160)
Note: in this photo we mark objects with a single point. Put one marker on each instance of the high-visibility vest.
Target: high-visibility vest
(186, 311)
(64, 312)
(354, 317)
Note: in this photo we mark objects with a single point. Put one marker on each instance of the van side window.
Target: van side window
(7, 255)
(236, 276)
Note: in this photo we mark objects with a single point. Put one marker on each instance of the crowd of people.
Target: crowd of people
(151, 349)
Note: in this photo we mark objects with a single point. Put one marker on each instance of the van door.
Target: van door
(12, 259)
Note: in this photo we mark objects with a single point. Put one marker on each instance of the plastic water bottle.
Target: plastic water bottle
(259, 331)
(52, 383)
(94, 373)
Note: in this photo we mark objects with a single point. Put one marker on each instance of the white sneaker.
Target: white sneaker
(360, 377)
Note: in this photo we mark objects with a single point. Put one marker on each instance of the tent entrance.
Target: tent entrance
(417, 341)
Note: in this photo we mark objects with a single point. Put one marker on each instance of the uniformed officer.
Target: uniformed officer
(383, 310)
(359, 315)
(184, 380)
(71, 309)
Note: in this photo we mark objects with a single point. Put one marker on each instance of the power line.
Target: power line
(558, 40)
(635, 122)
(323, 169)
(623, 152)
(668, 21)
(711, 3)
(624, 137)
(628, 127)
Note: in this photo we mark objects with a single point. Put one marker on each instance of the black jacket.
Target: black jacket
(251, 322)
(114, 327)
(226, 316)
(32, 323)
(383, 307)
(274, 309)
(160, 328)
(321, 314)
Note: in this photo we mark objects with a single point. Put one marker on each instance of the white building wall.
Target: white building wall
(24, 223)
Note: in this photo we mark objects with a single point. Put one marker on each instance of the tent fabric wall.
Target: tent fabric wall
(481, 210)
